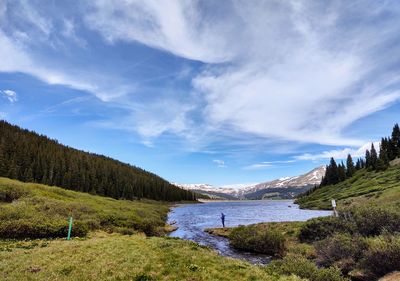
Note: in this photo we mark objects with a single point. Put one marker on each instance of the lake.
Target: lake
(192, 219)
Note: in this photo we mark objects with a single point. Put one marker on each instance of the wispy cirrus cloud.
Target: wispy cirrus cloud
(10, 95)
(220, 163)
(27, 36)
(306, 71)
(308, 65)
(267, 164)
(176, 27)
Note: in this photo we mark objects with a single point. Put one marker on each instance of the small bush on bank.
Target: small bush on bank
(341, 250)
(373, 221)
(320, 228)
(382, 255)
(264, 241)
(300, 266)
(40, 228)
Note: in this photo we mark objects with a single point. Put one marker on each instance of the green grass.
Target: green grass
(30, 210)
(121, 257)
(365, 187)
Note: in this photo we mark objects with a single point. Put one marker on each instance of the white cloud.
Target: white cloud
(10, 95)
(220, 163)
(15, 58)
(258, 166)
(295, 70)
(24, 30)
(69, 32)
(267, 164)
(339, 153)
(175, 27)
(298, 71)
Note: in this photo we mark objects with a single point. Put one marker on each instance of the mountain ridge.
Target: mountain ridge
(292, 185)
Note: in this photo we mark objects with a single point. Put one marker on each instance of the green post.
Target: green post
(69, 229)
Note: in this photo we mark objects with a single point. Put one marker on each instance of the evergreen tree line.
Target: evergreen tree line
(389, 150)
(29, 157)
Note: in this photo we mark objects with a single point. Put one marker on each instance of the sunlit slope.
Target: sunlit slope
(29, 210)
(365, 187)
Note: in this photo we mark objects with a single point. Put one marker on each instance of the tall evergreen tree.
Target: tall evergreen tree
(363, 165)
(341, 172)
(358, 164)
(367, 159)
(350, 167)
(334, 172)
(396, 141)
(383, 160)
(374, 157)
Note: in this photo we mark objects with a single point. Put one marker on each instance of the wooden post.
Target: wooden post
(334, 208)
(69, 229)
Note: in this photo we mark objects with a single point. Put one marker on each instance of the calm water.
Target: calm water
(192, 219)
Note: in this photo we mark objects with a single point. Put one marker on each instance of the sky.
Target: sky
(219, 92)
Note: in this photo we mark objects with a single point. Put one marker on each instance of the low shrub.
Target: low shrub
(372, 221)
(382, 255)
(340, 250)
(9, 193)
(143, 277)
(40, 228)
(300, 266)
(264, 241)
(320, 228)
(150, 228)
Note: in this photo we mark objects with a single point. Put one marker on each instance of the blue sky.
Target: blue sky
(219, 92)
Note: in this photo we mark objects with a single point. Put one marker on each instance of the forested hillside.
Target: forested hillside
(381, 188)
(374, 178)
(30, 157)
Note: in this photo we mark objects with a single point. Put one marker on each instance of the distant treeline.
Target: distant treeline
(389, 150)
(29, 157)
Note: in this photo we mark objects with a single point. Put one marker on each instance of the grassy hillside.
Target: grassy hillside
(376, 188)
(35, 211)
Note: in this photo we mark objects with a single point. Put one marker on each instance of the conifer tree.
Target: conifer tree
(396, 141)
(383, 160)
(358, 164)
(374, 158)
(367, 159)
(350, 167)
(334, 172)
(363, 165)
(341, 172)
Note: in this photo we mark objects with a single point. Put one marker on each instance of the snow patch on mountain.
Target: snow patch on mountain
(311, 178)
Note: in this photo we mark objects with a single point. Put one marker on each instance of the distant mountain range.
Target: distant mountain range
(283, 188)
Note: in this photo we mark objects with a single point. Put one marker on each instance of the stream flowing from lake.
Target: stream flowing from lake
(192, 219)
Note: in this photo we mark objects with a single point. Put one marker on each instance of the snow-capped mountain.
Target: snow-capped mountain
(216, 192)
(311, 178)
(287, 187)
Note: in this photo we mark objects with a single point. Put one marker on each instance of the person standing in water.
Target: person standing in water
(223, 219)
